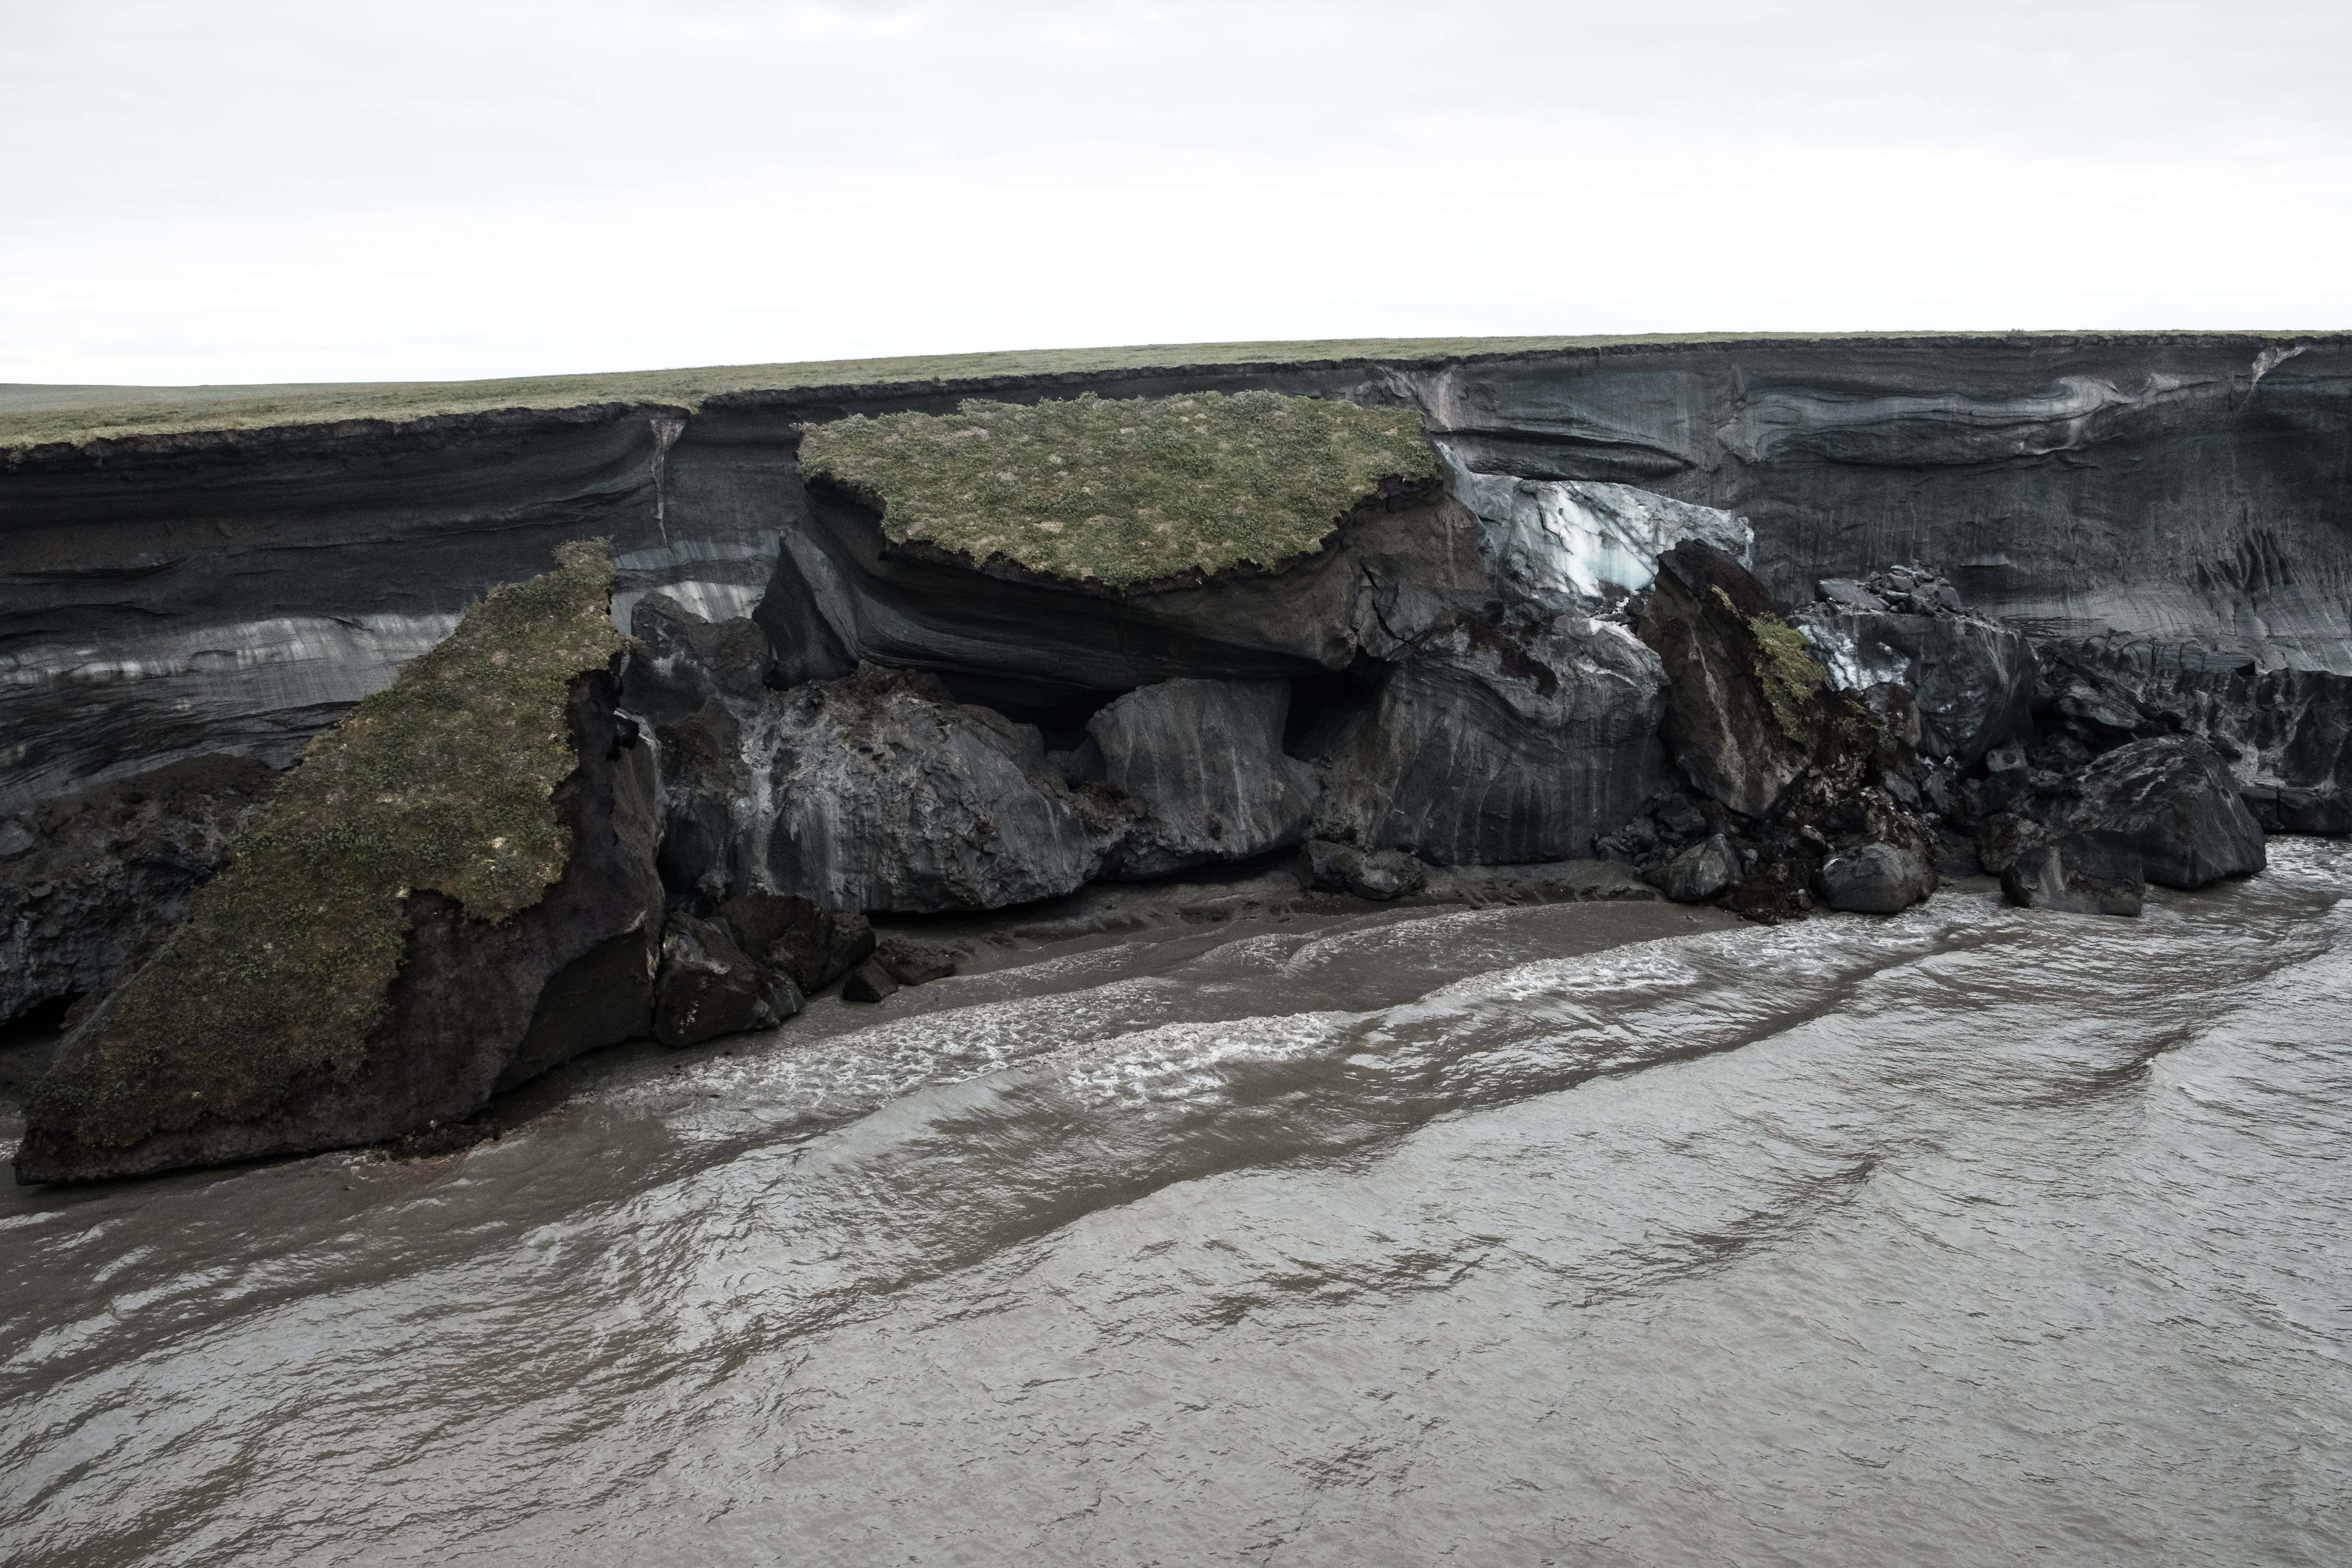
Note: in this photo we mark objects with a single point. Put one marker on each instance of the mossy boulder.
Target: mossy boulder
(1125, 491)
(1749, 709)
(454, 890)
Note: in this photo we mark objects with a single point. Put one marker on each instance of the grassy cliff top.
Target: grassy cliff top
(1127, 490)
(33, 415)
(442, 781)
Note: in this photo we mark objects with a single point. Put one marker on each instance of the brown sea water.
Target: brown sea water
(1582, 1234)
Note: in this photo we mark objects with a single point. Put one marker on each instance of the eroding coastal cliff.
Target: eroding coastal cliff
(1783, 624)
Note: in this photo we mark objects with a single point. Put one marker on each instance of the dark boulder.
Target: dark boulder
(2285, 733)
(709, 986)
(1203, 762)
(1488, 743)
(912, 963)
(1381, 874)
(2090, 873)
(869, 983)
(1698, 873)
(2174, 798)
(89, 883)
(883, 793)
(813, 945)
(877, 791)
(1876, 879)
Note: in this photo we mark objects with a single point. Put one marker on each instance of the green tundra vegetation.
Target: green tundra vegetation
(1119, 491)
(443, 781)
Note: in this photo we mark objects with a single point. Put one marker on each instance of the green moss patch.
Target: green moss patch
(443, 781)
(1122, 491)
(1791, 678)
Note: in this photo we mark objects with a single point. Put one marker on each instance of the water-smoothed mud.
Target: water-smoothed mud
(1577, 1232)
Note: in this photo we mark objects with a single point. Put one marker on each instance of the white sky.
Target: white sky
(239, 190)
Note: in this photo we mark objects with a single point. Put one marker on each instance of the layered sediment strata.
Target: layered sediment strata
(164, 596)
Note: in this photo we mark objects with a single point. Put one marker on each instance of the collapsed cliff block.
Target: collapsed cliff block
(92, 882)
(1486, 744)
(2173, 797)
(2285, 733)
(1043, 558)
(1748, 708)
(709, 986)
(814, 945)
(1203, 762)
(879, 792)
(1950, 684)
(455, 889)
(2089, 873)
(1800, 768)
(708, 792)
(1126, 491)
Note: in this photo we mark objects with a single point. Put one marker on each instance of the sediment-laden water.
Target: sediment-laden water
(1587, 1234)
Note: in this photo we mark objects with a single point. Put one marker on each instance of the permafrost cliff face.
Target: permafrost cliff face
(165, 596)
(1763, 618)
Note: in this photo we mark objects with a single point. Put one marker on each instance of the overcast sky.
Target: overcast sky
(242, 190)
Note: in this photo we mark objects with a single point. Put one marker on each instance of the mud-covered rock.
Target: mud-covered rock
(1492, 744)
(883, 793)
(2175, 799)
(869, 983)
(1380, 874)
(92, 882)
(709, 986)
(1203, 762)
(1876, 879)
(2091, 873)
(813, 945)
(912, 963)
(1698, 873)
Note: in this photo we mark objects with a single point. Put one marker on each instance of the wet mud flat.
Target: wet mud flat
(1583, 1231)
